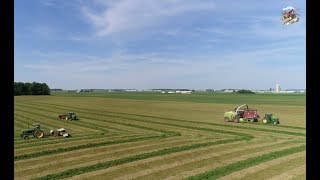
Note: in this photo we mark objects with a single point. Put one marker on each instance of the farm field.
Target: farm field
(160, 136)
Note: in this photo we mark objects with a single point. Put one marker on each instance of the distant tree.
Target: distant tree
(28, 87)
(18, 86)
(45, 89)
(34, 88)
(243, 91)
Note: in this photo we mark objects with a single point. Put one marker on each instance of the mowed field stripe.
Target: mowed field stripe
(43, 113)
(67, 144)
(55, 140)
(239, 165)
(103, 121)
(267, 128)
(213, 158)
(78, 153)
(279, 170)
(91, 157)
(82, 146)
(159, 167)
(161, 152)
(48, 123)
(42, 109)
(159, 160)
(262, 167)
(166, 118)
(296, 173)
(183, 145)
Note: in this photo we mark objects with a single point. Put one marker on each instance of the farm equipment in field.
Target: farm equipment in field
(59, 132)
(35, 132)
(242, 114)
(270, 119)
(70, 116)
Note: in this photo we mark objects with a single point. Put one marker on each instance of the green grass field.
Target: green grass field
(160, 136)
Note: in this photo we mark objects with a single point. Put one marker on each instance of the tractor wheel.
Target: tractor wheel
(226, 119)
(264, 121)
(275, 123)
(25, 137)
(236, 119)
(38, 134)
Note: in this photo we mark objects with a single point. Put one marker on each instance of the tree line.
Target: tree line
(33, 88)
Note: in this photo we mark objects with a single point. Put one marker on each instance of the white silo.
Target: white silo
(277, 90)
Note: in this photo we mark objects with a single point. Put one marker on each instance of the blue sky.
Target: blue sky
(144, 44)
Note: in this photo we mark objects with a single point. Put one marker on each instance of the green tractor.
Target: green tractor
(70, 116)
(270, 119)
(35, 132)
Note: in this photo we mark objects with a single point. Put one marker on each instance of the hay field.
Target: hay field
(160, 136)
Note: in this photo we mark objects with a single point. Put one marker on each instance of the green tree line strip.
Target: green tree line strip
(108, 164)
(239, 165)
(28, 88)
(85, 146)
(196, 122)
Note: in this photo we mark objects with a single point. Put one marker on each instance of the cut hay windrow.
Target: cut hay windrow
(157, 117)
(49, 122)
(161, 152)
(85, 146)
(98, 154)
(188, 127)
(261, 168)
(131, 125)
(271, 171)
(94, 156)
(82, 124)
(50, 146)
(237, 166)
(161, 168)
(146, 139)
(196, 122)
(26, 144)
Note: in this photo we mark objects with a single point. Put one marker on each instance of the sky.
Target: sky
(150, 44)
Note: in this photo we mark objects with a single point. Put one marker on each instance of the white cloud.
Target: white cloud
(137, 14)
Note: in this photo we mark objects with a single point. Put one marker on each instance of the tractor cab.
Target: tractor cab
(36, 125)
